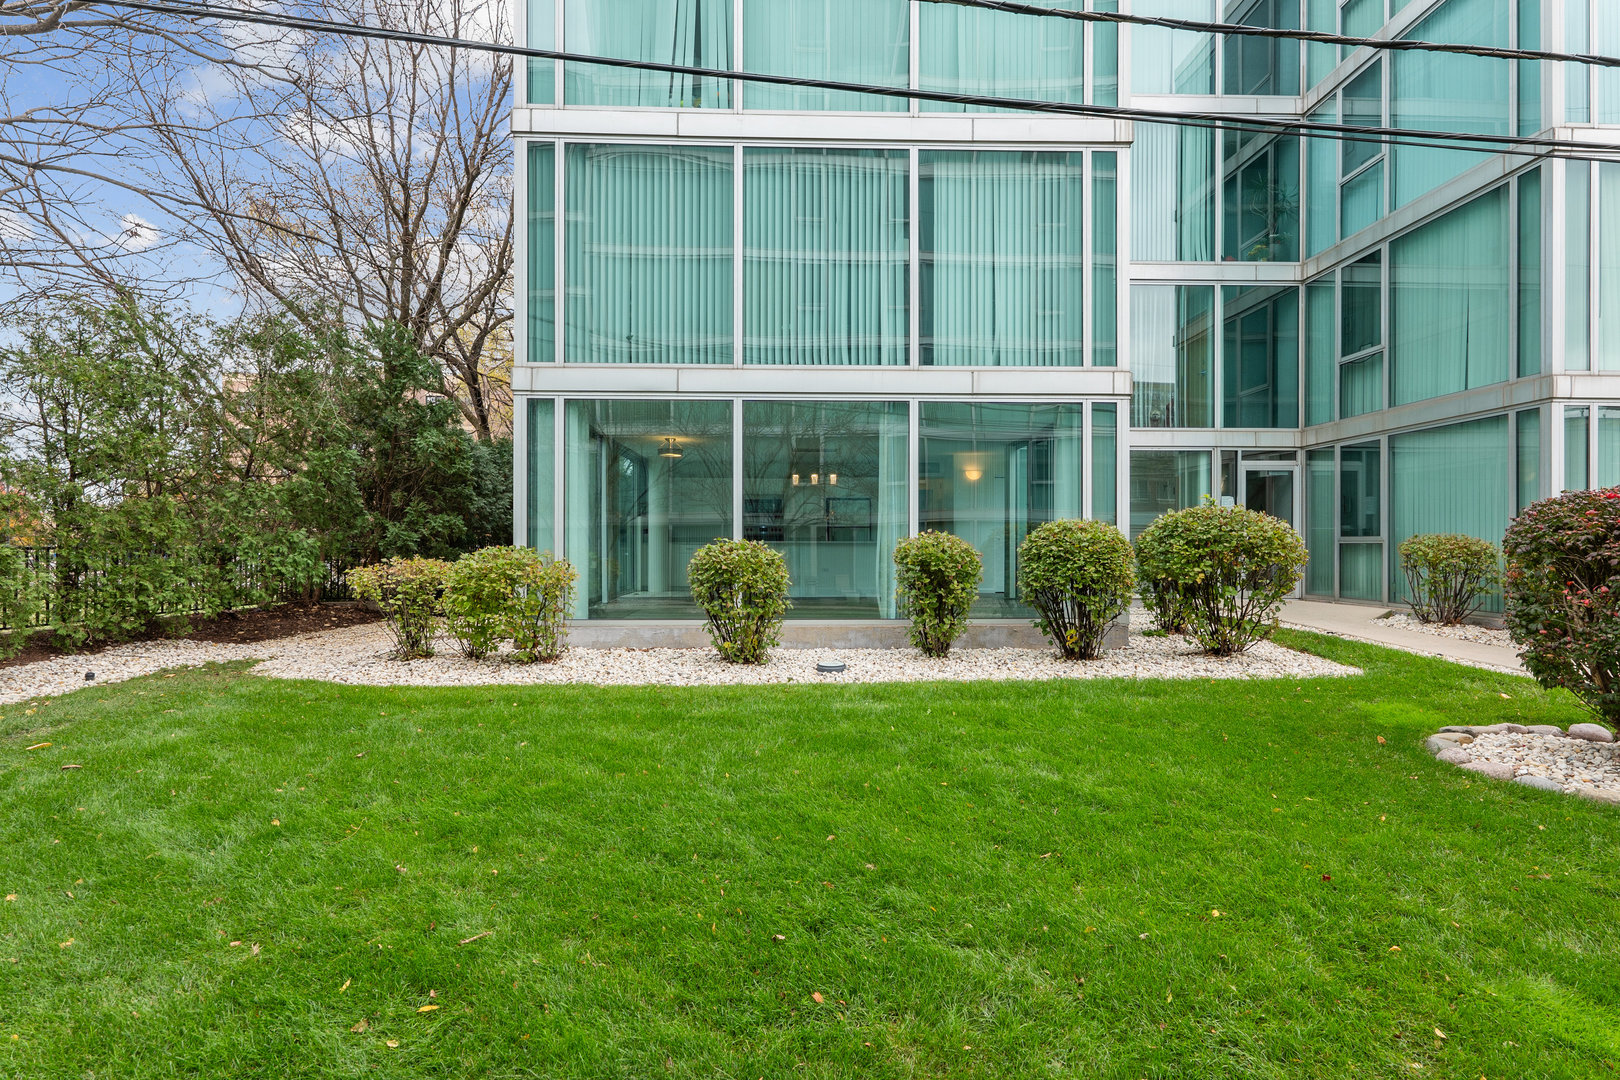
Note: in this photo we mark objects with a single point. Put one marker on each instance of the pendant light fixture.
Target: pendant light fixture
(671, 449)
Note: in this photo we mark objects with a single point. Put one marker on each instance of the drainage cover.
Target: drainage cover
(830, 666)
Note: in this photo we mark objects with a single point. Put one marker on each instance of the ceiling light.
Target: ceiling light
(670, 449)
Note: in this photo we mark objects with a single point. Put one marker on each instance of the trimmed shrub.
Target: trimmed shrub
(1078, 575)
(937, 579)
(481, 594)
(539, 629)
(742, 586)
(1231, 567)
(1155, 563)
(1563, 595)
(407, 591)
(1448, 575)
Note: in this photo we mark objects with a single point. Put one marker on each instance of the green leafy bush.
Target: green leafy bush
(742, 586)
(407, 591)
(1563, 595)
(19, 599)
(540, 622)
(1156, 566)
(481, 593)
(937, 579)
(1231, 567)
(1448, 575)
(1078, 575)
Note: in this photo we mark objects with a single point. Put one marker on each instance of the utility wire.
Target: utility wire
(1318, 36)
(1520, 146)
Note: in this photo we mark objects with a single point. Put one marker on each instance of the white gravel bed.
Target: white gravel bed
(359, 656)
(1480, 635)
(1583, 761)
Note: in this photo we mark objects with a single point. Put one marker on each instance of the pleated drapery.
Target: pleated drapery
(1453, 479)
(649, 254)
(826, 255)
(977, 51)
(1002, 258)
(1452, 300)
(1173, 194)
(858, 41)
(694, 33)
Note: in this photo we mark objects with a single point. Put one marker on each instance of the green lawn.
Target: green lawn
(977, 880)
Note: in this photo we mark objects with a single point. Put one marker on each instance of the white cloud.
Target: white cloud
(14, 228)
(135, 233)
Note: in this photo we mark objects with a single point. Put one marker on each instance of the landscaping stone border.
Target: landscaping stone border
(1584, 760)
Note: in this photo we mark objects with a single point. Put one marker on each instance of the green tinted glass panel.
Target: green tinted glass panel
(1173, 61)
(1608, 446)
(542, 254)
(1530, 273)
(854, 41)
(540, 32)
(1173, 356)
(1360, 491)
(1319, 499)
(1260, 357)
(1453, 479)
(687, 33)
(1321, 358)
(1262, 65)
(1104, 260)
(1166, 480)
(967, 50)
(1361, 571)
(1262, 197)
(1361, 322)
(1322, 184)
(1361, 386)
(1528, 454)
(1577, 448)
(1105, 462)
(541, 475)
(1173, 194)
(1577, 265)
(1607, 353)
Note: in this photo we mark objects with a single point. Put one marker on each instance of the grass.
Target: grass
(978, 880)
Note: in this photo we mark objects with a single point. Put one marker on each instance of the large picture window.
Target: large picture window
(978, 51)
(689, 33)
(856, 41)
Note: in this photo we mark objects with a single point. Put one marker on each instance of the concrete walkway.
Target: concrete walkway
(1356, 621)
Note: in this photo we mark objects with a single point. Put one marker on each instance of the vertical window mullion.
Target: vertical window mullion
(737, 223)
(914, 242)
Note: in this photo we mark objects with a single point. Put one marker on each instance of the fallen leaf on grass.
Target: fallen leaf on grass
(391, 1043)
(475, 937)
(361, 1026)
(65, 944)
(65, 768)
(817, 998)
(37, 746)
(345, 985)
(427, 1008)
(275, 821)
(1394, 948)
(234, 944)
(255, 948)
(1438, 1033)
(10, 897)
(1380, 740)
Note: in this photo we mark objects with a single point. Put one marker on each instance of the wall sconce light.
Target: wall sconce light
(973, 473)
(670, 449)
(815, 478)
(832, 479)
(795, 479)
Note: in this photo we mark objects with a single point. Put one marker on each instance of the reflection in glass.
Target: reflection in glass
(689, 33)
(828, 485)
(1319, 499)
(1166, 480)
(1002, 54)
(1172, 343)
(1261, 65)
(826, 250)
(542, 472)
(1262, 196)
(990, 474)
(1105, 462)
(1173, 194)
(854, 41)
(1577, 448)
(1321, 358)
(1173, 61)
(1528, 455)
(1452, 479)
(1360, 491)
(1362, 320)
(1260, 365)
(540, 32)
(1003, 258)
(649, 251)
(647, 484)
(1104, 260)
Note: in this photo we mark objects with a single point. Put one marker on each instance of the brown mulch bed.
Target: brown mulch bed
(234, 628)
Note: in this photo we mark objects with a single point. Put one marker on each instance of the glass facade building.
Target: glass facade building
(826, 319)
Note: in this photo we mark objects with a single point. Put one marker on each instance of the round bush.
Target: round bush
(742, 586)
(1448, 575)
(937, 579)
(539, 628)
(1563, 595)
(1230, 567)
(480, 597)
(407, 591)
(1078, 576)
(1156, 569)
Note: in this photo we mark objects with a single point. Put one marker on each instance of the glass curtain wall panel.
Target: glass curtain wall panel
(1322, 183)
(1173, 356)
(857, 41)
(1607, 43)
(646, 484)
(1530, 273)
(1577, 77)
(1173, 194)
(1527, 452)
(1105, 57)
(1261, 65)
(1451, 301)
(542, 254)
(1453, 479)
(1361, 386)
(1105, 462)
(540, 32)
(1261, 197)
(1577, 448)
(1361, 162)
(990, 473)
(1577, 265)
(1450, 92)
(1104, 259)
(1321, 358)
(1529, 71)
(542, 475)
(1166, 480)
(1361, 18)
(649, 254)
(1607, 356)
(826, 256)
(828, 484)
(690, 33)
(1321, 16)
(1361, 556)
(1608, 446)
(1361, 333)
(1173, 61)
(1001, 54)
(1319, 541)
(1002, 242)
(1260, 357)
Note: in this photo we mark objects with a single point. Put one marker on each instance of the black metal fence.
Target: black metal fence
(78, 585)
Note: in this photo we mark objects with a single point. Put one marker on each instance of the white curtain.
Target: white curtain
(856, 41)
(1453, 479)
(976, 51)
(692, 33)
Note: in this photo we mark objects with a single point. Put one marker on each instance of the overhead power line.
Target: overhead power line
(1521, 146)
(1319, 36)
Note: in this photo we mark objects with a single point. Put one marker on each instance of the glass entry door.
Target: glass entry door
(1273, 489)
